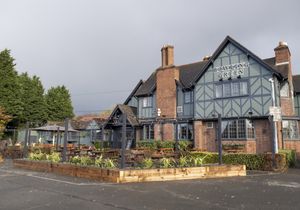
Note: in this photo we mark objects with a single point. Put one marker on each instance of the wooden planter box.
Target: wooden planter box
(133, 175)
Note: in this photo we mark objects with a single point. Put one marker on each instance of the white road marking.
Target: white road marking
(284, 184)
(56, 180)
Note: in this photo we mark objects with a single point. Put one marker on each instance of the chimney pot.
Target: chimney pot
(206, 58)
(167, 55)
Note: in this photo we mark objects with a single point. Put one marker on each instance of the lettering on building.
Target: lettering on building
(231, 70)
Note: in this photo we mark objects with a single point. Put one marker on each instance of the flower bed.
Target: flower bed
(133, 175)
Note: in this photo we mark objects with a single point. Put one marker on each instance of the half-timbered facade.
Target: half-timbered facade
(182, 102)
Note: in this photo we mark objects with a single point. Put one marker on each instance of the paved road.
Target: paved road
(21, 189)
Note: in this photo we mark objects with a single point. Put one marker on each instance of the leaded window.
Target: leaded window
(147, 101)
(185, 131)
(188, 97)
(148, 132)
(231, 89)
(237, 129)
(290, 129)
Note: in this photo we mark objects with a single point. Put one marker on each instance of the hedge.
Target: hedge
(155, 144)
(290, 157)
(252, 161)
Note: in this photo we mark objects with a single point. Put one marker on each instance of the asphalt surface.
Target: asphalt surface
(22, 189)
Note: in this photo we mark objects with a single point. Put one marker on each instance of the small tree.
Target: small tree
(4, 119)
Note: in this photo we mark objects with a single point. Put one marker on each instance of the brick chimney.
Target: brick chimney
(167, 55)
(282, 54)
(283, 61)
(166, 85)
(283, 57)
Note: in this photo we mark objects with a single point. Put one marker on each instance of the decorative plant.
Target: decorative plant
(109, 163)
(183, 161)
(197, 160)
(86, 161)
(54, 157)
(99, 161)
(167, 162)
(75, 160)
(147, 163)
(37, 156)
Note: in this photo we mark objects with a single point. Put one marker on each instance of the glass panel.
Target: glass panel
(187, 97)
(235, 89)
(250, 129)
(190, 131)
(241, 129)
(226, 90)
(243, 88)
(219, 91)
(225, 129)
(233, 129)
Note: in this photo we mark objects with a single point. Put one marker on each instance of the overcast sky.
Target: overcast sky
(100, 49)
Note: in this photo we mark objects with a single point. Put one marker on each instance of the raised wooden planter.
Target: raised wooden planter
(133, 175)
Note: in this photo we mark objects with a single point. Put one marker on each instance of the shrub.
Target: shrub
(54, 157)
(102, 145)
(86, 161)
(167, 163)
(109, 163)
(153, 144)
(183, 161)
(149, 144)
(37, 156)
(99, 161)
(195, 161)
(75, 160)
(164, 144)
(184, 145)
(252, 161)
(147, 163)
(290, 157)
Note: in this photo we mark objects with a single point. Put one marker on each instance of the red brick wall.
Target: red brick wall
(166, 91)
(168, 131)
(157, 131)
(287, 106)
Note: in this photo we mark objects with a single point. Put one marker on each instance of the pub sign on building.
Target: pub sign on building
(234, 82)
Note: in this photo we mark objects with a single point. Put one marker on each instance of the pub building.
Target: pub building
(234, 82)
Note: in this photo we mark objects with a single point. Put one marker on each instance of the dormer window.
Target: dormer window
(147, 101)
(188, 97)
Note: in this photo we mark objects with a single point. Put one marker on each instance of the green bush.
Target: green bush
(184, 145)
(155, 144)
(147, 163)
(183, 161)
(54, 157)
(149, 144)
(290, 157)
(195, 161)
(167, 163)
(82, 160)
(37, 156)
(109, 163)
(102, 145)
(252, 161)
(75, 160)
(86, 161)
